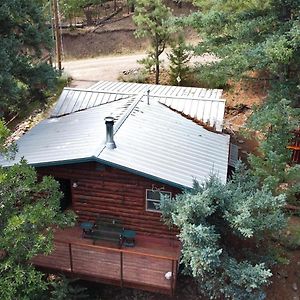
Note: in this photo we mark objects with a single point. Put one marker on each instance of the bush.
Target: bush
(211, 79)
(223, 228)
(137, 76)
(67, 289)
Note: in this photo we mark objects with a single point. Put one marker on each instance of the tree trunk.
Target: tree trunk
(157, 73)
(156, 64)
(88, 16)
(131, 6)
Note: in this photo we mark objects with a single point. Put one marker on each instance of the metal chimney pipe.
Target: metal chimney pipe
(110, 143)
(148, 97)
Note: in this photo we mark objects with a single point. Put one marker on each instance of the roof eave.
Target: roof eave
(108, 163)
(146, 175)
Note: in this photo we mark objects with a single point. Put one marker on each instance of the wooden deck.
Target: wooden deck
(143, 266)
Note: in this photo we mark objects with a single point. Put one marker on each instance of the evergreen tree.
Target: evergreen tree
(152, 18)
(29, 208)
(24, 35)
(261, 40)
(223, 230)
(179, 59)
(275, 121)
(251, 36)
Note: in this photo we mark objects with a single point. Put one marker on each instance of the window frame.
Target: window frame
(154, 200)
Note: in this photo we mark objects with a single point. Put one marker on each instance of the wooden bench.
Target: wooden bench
(107, 229)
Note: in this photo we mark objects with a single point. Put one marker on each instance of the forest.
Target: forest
(233, 235)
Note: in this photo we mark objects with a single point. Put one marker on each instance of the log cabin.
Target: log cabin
(115, 149)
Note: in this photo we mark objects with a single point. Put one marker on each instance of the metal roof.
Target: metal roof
(157, 141)
(205, 105)
(157, 90)
(151, 140)
(71, 137)
(72, 100)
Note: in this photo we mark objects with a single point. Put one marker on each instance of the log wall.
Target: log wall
(106, 191)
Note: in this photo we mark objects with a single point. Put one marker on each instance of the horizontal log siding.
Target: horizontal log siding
(108, 191)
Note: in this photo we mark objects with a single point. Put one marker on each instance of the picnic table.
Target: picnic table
(105, 229)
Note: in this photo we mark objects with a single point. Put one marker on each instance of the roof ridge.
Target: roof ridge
(128, 112)
(123, 118)
(158, 94)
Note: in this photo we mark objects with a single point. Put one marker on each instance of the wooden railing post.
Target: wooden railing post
(71, 259)
(170, 264)
(121, 268)
(172, 279)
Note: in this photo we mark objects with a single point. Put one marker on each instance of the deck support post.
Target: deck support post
(71, 258)
(121, 269)
(173, 278)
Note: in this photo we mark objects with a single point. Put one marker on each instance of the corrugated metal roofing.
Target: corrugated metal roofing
(157, 90)
(71, 137)
(72, 100)
(204, 105)
(208, 111)
(157, 141)
(151, 140)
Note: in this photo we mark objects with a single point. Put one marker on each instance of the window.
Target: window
(153, 198)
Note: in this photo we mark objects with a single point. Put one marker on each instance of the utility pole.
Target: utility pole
(58, 46)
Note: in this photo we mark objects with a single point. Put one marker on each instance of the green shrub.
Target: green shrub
(67, 289)
(137, 76)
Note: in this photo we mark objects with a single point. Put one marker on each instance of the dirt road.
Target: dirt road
(85, 72)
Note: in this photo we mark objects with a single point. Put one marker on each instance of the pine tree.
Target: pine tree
(179, 59)
(251, 35)
(153, 18)
(260, 40)
(24, 35)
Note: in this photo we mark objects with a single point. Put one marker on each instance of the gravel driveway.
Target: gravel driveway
(85, 72)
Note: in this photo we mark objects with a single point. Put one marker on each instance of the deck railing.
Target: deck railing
(125, 267)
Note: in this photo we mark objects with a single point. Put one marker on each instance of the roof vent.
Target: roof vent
(109, 122)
